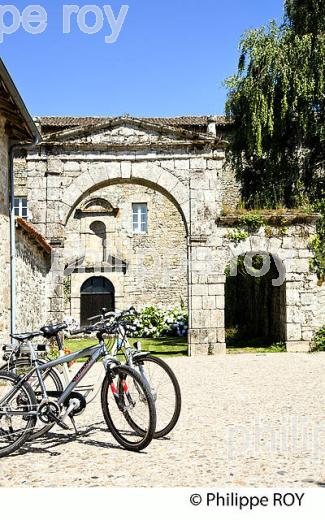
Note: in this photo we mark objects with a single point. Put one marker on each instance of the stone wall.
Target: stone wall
(21, 175)
(154, 263)
(4, 237)
(185, 176)
(33, 291)
(300, 314)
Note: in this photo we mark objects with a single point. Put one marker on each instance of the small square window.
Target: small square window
(140, 218)
(21, 207)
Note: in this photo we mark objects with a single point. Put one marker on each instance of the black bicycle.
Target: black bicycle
(125, 398)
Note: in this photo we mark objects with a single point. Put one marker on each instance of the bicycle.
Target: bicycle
(122, 384)
(154, 371)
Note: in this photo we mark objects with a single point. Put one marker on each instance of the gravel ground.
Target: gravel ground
(247, 420)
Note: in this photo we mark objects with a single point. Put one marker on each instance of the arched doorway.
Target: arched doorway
(95, 293)
(255, 307)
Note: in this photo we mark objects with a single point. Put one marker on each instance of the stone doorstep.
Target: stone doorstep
(298, 346)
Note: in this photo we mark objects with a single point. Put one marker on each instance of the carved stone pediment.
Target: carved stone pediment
(126, 132)
(96, 207)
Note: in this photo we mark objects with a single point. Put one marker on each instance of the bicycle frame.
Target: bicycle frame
(93, 353)
(123, 341)
(89, 392)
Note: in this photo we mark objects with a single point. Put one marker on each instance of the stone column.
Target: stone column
(206, 302)
(56, 310)
(301, 306)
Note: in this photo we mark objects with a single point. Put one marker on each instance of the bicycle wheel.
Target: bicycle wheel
(16, 423)
(52, 383)
(125, 395)
(165, 390)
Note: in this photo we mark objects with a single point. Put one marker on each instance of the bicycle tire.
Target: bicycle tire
(175, 414)
(29, 422)
(123, 373)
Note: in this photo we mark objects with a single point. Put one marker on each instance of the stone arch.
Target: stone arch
(255, 244)
(104, 174)
(88, 188)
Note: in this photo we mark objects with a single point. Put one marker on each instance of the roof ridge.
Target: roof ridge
(185, 120)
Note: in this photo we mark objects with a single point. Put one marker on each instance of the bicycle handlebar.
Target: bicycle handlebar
(111, 314)
(83, 330)
(103, 326)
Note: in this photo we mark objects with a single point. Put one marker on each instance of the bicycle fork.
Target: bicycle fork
(119, 398)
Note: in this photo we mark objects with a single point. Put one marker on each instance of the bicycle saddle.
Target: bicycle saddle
(50, 331)
(25, 336)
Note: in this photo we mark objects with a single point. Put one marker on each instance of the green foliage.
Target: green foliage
(317, 263)
(257, 261)
(319, 339)
(305, 16)
(269, 233)
(252, 221)
(277, 102)
(283, 231)
(237, 236)
(319, 244)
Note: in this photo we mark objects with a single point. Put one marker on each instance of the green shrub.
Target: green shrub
(155, 322)
(237, 236)
(319, 339)
(251, 221)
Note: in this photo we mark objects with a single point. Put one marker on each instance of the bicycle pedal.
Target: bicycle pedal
(59, 422)
(74, 424)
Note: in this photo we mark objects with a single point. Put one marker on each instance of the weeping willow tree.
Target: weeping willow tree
(276, 100)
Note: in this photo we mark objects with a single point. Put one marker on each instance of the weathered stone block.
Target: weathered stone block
(298, 346)
(293, 296)
(300, 265)
(198, 164)
(126, 169)
(294, 332)
(197, 303)
(220, 302)
(308, 298)
(182, 164)
(215, 164)
(200, 290)
(54, 165)
(209, 302)
(216, 290)
(71, 166)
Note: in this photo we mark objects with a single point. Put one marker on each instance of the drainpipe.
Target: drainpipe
(13, 281)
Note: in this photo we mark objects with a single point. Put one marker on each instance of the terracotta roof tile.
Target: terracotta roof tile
(67, 121)
(31, 231)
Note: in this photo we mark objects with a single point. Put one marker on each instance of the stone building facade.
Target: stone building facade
(16, 128)
(33, 277)
(136, 264)
(4, 234)
(82, 184)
